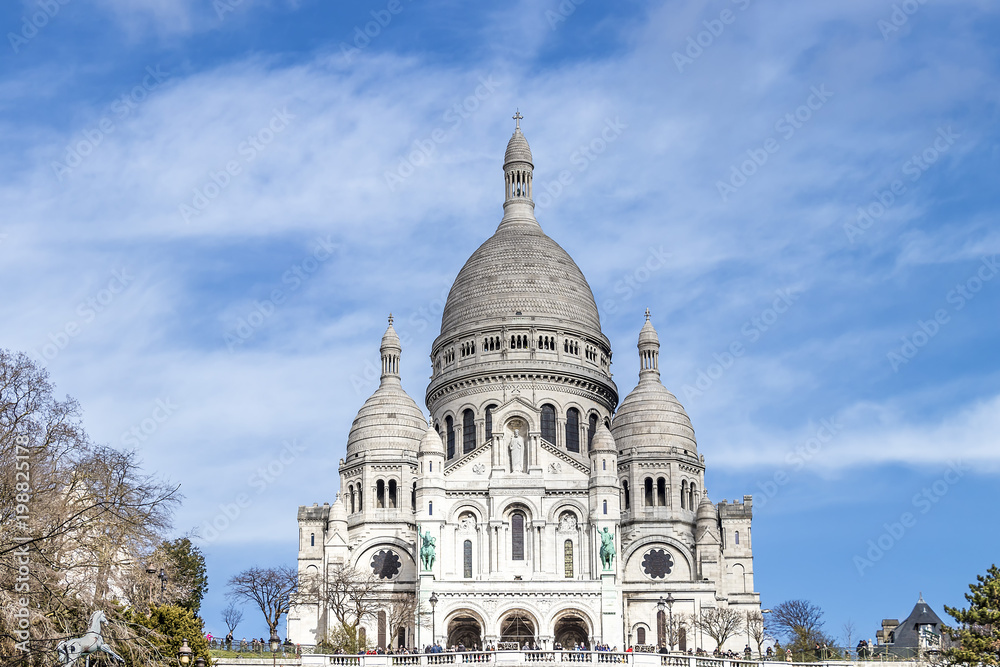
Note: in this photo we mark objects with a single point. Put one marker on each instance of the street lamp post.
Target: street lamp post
(275, 643)
(433, 600)
(669, 604)
(162, 576)
(184, 653)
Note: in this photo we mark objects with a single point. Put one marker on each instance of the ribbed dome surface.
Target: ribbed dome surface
(651, 416)
(389, 419)
(432, 443)
(517, 149)
(520, 270)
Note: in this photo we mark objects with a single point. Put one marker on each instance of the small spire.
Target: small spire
(517, 119)
(647, 316)
(390, 316)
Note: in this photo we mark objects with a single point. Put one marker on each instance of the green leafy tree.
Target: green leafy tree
(979, 633)
(166, 626)
(186, 565)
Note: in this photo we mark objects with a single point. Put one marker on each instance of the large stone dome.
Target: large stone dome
(519, 271)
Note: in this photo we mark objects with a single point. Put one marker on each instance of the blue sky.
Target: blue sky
(211, 207)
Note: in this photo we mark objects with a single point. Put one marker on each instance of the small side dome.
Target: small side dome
(603, 441)
(390, 418)
(706, 510)
(337, 510)
(650, 416)
(431, 442)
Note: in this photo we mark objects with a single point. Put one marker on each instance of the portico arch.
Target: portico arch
(465, 629)
(518, 626)
(571, 629)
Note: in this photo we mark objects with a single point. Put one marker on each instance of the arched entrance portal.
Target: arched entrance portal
(571, 630)
(518, 627)
(464, 630)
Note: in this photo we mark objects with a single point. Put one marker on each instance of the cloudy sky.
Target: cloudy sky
(211, 206)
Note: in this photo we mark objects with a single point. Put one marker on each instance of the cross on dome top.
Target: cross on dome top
(517, 119)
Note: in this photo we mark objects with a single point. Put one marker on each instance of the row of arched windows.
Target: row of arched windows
(387, 496)
(524, 341)
(571, 347)
(468, 348)
(546, 343)
(468, 436)
(655, 493)
(469, 442)
(519, 342)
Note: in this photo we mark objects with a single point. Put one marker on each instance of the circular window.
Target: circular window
(657, 563)
(386, 564)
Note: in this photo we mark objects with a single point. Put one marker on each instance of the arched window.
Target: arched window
(468, 431)
(591, 430)
(684, 494)
(549, 423)
(489, 422)
(467, 559)
(604, 464)
(692, 495)
(351, 490)
(640, 636)
(449, 426)
(361, 503)
(737, 537)
(413, 497)
(362, 636)
(573, 430)
(661, 492)
(430, 508)
(627, 499)
(568, 559)
(661, 628)
(392, 493)
(605, 506)
(648, 484)
(380, 493)
(517, 536)
(381, 629)
(312, 539)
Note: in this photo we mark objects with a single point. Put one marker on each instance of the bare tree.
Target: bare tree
(720, 624)
(232, 616)
(83, 516)
(402, 609)
(800, 621)
(756, 630)
(351, 596)
(269, 588)
(850, 630)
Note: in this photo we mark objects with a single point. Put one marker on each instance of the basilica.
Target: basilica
(531, 506)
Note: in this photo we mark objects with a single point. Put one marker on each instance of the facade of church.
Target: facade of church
(524, 471)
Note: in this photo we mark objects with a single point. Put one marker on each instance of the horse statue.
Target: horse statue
(607, 549)
(427, 555)
(72, 650)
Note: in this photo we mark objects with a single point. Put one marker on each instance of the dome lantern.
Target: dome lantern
(391, 349)
(517, 173)
(649, 352)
